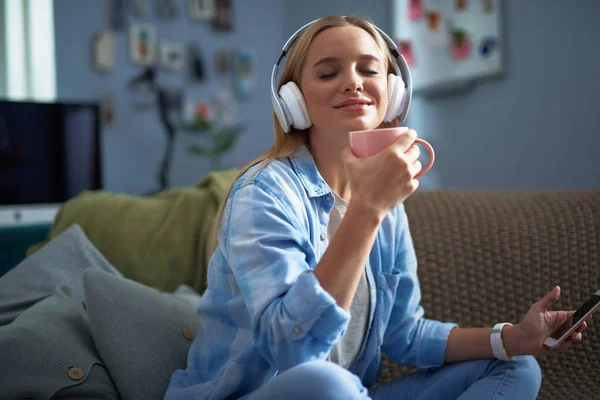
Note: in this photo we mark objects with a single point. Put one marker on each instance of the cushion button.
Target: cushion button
(75, 373)
(187, 333)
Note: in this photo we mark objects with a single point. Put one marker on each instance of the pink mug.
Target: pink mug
(370, 142)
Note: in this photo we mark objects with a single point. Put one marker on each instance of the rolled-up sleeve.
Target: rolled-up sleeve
(293, 319)
(410, 339)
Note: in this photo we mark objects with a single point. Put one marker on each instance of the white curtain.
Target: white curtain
(27, 52)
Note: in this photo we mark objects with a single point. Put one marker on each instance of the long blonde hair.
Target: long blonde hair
(286, 143)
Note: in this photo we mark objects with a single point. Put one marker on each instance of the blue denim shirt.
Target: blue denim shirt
(264, 310)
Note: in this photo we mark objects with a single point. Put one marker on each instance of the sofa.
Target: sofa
(484, 256)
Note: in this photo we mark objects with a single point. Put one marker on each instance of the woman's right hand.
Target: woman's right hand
(381, 182)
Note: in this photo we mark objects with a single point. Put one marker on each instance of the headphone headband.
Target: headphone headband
(400, 67)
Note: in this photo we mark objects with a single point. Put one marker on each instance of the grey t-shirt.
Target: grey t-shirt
(347, 347)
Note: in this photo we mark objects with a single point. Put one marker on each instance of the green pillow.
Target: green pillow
(161, 241)
(143, 335)
(48, 352)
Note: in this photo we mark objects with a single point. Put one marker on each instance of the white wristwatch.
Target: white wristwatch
(497, 344)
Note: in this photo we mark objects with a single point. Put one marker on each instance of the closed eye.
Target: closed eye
(331, 75)
(327, 76)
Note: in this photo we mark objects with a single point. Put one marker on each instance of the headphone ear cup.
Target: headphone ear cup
(293, 101)
(395, 97)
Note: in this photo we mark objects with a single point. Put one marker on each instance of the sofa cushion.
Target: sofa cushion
(162, 240)
(143, 335)
(48, 352)
(61, 262)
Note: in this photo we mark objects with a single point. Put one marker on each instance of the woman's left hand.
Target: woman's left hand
(527, 337)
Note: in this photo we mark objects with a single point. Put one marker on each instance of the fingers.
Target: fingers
(415, 168)
(581, 327)
(405, 141)
(551, 297)
(412, 154)
(574, 337)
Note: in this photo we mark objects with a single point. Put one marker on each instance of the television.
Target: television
(49, 152)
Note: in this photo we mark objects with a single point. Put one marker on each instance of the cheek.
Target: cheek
(382, 97)
(317, 99)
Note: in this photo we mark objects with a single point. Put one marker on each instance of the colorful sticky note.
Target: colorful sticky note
(416, 10)
(487, 46)
(434, 19)
(461, 45)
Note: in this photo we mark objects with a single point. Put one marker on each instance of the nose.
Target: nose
(353, 82)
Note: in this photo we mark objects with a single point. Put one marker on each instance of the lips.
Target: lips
(353, 103)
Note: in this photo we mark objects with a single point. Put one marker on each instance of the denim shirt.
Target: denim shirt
(264, 310)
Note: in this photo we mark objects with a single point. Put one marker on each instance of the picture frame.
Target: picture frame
(142, 42)
(222, 20)
(201, 10)
(104, 44)
(172, 56)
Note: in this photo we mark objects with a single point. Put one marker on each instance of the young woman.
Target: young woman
(315, 272)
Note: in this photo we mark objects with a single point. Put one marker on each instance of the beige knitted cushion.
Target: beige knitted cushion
(485, 257)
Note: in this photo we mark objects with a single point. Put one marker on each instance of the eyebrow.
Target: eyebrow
(368, 57)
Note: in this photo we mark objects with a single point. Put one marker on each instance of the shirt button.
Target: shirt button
(328, 198)
(372, 286)
(297, 330)
(187, 333)
(322, 236)
(75, 373)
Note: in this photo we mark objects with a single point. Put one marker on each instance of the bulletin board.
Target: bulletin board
(449, 44)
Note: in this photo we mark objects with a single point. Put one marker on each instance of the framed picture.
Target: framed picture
(222, 20)
(104, 44)
(142, 41)
(201, 10)
(222, 61)
(172, 56)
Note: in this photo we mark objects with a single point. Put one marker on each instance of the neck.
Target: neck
(327, 155)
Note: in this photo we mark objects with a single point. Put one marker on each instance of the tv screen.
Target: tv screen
(49, 152)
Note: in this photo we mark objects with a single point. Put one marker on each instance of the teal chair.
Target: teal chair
(16, 239)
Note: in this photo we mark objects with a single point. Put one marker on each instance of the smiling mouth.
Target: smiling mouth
(354, 106)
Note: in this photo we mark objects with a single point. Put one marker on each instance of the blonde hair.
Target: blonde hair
(286, 143)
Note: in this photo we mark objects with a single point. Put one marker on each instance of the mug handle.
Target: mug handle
(429, 148)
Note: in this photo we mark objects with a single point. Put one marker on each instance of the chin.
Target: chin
(360, 125)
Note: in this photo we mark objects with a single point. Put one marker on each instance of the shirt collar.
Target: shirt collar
(308, 173)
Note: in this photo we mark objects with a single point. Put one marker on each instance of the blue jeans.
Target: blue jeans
(480, 379)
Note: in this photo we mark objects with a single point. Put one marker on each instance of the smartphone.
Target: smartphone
(566, 329)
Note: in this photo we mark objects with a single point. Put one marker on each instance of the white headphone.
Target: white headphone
(290, 107)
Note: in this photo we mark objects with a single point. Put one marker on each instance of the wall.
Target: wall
(537, 127)
(133, 145)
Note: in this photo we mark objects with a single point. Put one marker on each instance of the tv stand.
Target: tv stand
(27, 214)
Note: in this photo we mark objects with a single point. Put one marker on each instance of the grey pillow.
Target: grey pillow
(61, 262)
(143, 335)
(48, 352)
